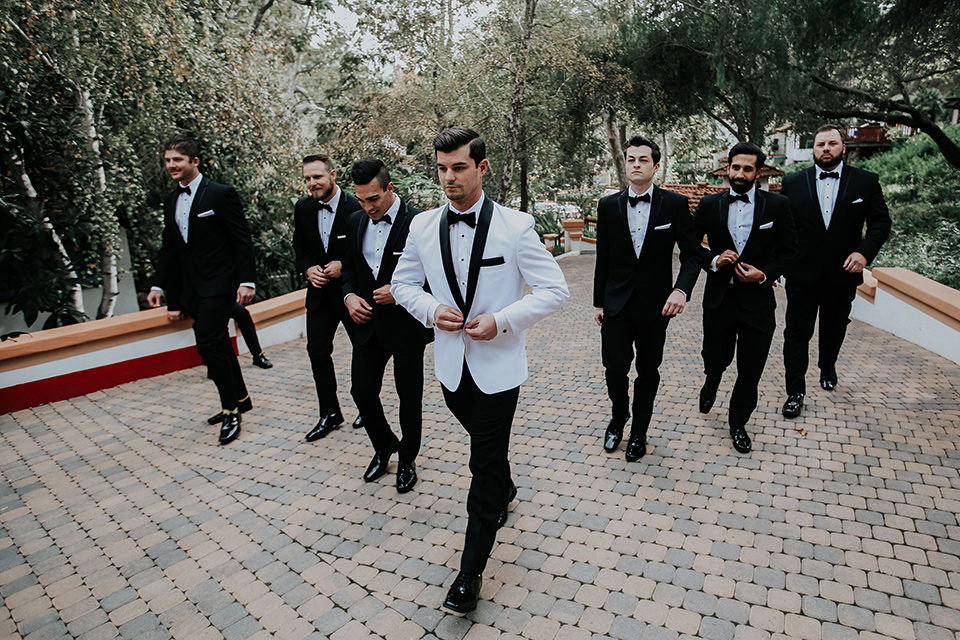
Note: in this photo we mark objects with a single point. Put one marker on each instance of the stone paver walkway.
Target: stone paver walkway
(120, 516)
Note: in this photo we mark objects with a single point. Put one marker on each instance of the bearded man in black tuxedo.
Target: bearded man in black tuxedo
(634, 294)
(752, 241)
(320, 242)
(831, 202)
(205, 267)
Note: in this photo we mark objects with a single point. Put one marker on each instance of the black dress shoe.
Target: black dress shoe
(229, 427)
(793, 406)
(636, 447)
(261, 361)
(707, 398)
(502, 516)
(327, 424)
(828, 380)
(611, 440)
(406, 476)
(358, 423)
(378, 466)
(463, 593)
(741, 441)
(244, 406)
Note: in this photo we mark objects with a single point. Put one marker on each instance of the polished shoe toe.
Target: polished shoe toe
(229, 428)
(828, 380)
(406, 476)
(463, 593)
(741, 441)
(614, 434)
(707, 398)
(378, 466)
(793, 406)
(358, 423)
(502, 516)
(326, 424)
(636, 447)
(244, 406)
(261, 361)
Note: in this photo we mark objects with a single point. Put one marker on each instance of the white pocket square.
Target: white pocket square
(857, 201)
(341, 237)
(205, 214)
(662, 227)
(769, 225)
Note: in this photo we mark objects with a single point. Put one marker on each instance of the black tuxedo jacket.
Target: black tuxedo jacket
(772, 248)
(823, 251)
(395, 326)
(620, 272)
(308, 246)
(218, 255)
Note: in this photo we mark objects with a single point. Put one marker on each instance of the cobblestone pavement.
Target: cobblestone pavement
(120, 516)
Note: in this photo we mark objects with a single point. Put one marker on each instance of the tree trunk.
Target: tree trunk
(108, 224)
(524, 175)
(615, 146)
(517, 104)
(12, 158)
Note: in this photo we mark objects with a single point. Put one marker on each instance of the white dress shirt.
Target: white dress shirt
(375, 237)
(827, 193)
(325, 218)
(638, 218)
(183, 204)
(740, 218)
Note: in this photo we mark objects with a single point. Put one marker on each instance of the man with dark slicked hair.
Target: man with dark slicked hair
(476, 256)
(383, 329)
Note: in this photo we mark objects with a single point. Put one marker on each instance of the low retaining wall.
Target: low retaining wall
(912, 307)
(69, 361)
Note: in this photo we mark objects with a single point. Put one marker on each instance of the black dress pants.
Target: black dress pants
(488, 419)
(367, 370)
(644, 328)
(211, 331)
(247, 329)
(730, 329)
(322, 325)
(832, 298)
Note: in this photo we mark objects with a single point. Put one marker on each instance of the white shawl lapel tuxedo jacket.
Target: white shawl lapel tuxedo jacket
(511, 255)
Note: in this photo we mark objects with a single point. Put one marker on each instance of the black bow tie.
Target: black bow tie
(323, 205)
(384, 218)
(742, 197)
(634, 201)
(829, 174)
(453, 218)
(181, 190)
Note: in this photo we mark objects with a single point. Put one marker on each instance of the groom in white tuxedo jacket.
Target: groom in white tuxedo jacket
(474, 257)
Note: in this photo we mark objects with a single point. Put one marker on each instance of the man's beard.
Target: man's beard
(743, 187)
(826, 167)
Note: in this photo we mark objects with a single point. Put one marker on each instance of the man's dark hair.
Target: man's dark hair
(319, 157)
(452, 139)
(832, 127)
(747, 149)
(640, 141)
(183, 144)
(364, 171)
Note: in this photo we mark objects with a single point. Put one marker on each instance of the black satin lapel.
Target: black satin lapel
(655, 203)
(758, 208)
(447, 259)
(845, 178)
(724, 205)
(397, 228)
(476, 254)
(812, 191)
(195, 205)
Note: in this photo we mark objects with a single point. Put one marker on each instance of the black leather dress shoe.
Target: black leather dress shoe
(261, 361)
(793, 406)
(378, 466)
(463, 593)
(502, 516)
(828, 380)
(614, 434)
(406, 476)
(229, 428)
(358, 423)
(741, 441)
(636, 447)
(707, 398)
(327, 424)
(244, 406)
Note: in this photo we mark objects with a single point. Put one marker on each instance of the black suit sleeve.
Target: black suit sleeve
(787, 245)
(237, 230)
(350, 266)
(602, 266)
(878, 221)
(167, 269)
(301, 247)
(689, 245)
(705, 255)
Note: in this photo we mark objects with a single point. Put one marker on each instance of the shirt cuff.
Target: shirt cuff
(249, 284)
(713, 263)
(347, 296)
(156, 289)
(502, 325)
(432, 315)
(685, 294)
